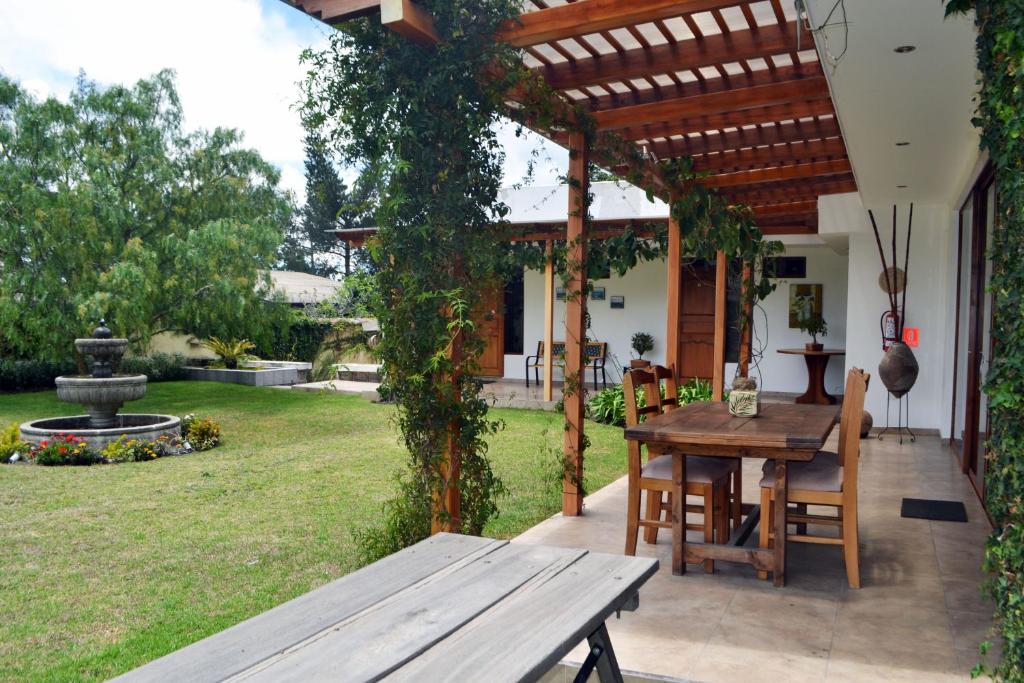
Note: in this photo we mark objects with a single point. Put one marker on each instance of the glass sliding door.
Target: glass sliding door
(973, 344)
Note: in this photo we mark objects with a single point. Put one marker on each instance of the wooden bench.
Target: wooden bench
(595, 359)
(450, 608)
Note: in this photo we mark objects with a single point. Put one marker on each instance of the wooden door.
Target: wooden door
(491, 326)
(697, 323)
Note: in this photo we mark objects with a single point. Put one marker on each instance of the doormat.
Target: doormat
(938, 510)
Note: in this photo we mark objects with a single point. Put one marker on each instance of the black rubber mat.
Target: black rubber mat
(938, 510)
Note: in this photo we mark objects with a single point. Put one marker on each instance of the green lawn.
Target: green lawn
(107, 567)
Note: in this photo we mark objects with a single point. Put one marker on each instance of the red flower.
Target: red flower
(62, 449)
(44, 444)
(70, 439)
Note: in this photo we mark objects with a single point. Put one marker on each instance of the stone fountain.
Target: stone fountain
(102, 393)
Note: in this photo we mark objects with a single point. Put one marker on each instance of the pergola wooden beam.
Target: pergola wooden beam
(594, 16)
(751, 137)
(672, 57)
(733, 107)
(707, 86)
(744, 178)
(793, 191)
(402, 16)
(791, 209)
(731, 118)
(775, 154)
(337, 11)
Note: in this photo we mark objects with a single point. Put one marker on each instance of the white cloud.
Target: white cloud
(237, 60)
(237, 63)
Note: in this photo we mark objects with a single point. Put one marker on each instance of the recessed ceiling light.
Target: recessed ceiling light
(901, 187)
(902, 143)
(904, 49)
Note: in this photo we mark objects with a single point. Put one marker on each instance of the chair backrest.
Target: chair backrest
(670, 401)
(596, 350)
(849, 426)
(632, 382)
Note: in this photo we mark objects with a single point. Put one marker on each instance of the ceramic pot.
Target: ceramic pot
(639, 363)
(898, 369)
(866, 423)
(811, 346)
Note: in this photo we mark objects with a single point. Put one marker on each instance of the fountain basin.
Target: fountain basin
(143, 427)
(101, 397)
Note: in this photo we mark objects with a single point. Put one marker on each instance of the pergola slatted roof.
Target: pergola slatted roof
(735, 84)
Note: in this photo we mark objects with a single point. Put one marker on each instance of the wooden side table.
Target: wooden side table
(816, 361)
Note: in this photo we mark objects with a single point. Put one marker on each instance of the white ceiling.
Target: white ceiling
(923, 97)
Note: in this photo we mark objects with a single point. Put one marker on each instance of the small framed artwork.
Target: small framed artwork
(560, 293)
(597, 294)
(618, 302)
(804, 301)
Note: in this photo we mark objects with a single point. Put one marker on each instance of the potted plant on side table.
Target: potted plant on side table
(641, 343)
(810, 322)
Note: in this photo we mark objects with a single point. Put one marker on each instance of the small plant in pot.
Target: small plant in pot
(810, 322)
(641, 343)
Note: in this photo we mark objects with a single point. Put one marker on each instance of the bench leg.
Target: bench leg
(601, 657)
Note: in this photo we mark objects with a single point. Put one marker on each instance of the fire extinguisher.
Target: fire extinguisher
(889, 323)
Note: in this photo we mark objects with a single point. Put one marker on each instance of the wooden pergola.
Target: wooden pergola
(734, 84)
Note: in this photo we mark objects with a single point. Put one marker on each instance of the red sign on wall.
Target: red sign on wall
(911, 336)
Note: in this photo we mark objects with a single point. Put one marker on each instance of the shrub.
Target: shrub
(25, 375)
(159, 367)
(64, 449)
(201, 433)
(11, 443)
(608, 406)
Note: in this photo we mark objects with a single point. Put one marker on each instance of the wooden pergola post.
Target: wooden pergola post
(673, 357)
(549, 316)
(718, 376)
(447, 511)
(575, 325)
(747, 320)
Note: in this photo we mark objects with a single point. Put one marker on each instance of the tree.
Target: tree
(310, 246)
(108, 208)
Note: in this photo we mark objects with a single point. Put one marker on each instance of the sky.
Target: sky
(237, 64)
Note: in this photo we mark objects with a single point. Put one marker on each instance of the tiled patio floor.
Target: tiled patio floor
(918, 617)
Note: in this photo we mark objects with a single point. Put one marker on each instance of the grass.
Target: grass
(105, 568)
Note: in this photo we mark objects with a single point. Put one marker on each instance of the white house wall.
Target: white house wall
(788, 373)
(644, 289)
(931, 286)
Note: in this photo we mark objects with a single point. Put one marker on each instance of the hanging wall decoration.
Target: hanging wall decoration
(898, 369)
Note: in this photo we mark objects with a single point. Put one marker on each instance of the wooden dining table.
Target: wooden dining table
(781, 433)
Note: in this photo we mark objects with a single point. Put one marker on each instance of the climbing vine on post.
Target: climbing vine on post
(422, 125)
(1000, 116)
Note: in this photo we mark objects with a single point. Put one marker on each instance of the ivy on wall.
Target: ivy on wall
(1000, 116)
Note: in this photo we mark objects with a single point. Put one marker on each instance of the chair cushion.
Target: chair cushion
(823, 473)
(699, 469)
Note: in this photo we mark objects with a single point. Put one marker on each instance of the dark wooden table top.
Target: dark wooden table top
(779, 426)
(805, 352)
(450, 608)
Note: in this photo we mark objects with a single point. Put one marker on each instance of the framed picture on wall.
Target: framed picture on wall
(618, 302)
(560, 293)
(806, 298)
(597, 294)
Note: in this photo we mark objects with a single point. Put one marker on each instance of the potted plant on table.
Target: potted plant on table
(810, 322)
(641, 343)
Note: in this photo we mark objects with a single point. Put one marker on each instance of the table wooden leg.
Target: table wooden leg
(678, 514)
(779, 523)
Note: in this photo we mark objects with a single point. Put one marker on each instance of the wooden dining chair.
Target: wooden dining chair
(669, 401)
(705, 477)
(829, 480)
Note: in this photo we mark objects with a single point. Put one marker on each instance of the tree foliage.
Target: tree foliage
(309, 246)
(108, 208)
(1000, 115)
